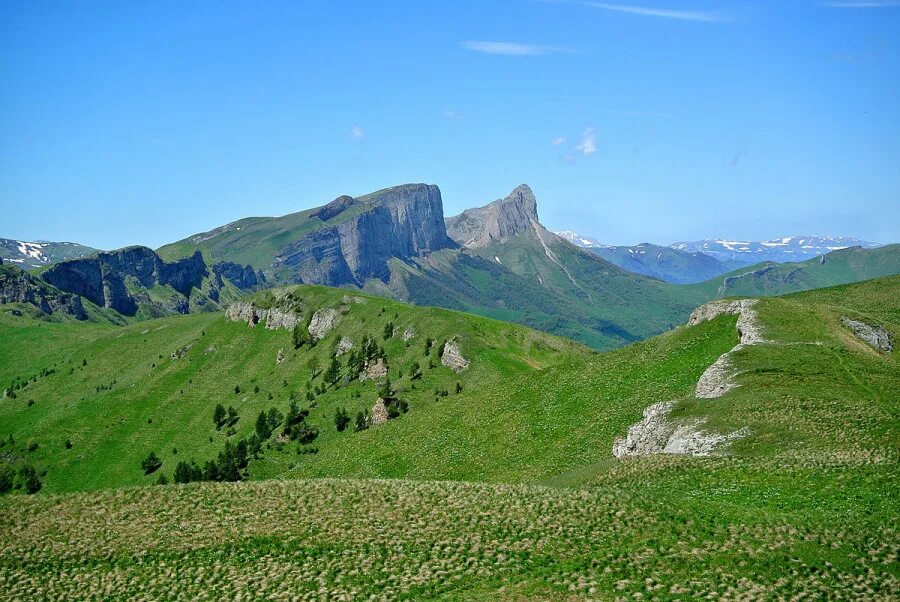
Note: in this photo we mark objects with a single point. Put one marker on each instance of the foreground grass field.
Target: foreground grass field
(803, 505)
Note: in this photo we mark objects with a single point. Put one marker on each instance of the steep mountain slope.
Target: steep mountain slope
(30, 255)
(788, 248)
(19, 287)
(838, 267)
(802, 502)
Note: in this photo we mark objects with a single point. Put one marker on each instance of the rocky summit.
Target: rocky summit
(497, 222)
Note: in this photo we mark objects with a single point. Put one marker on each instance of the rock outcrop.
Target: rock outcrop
(17, 286)
(374, 370)
(452, 357)
(379, 413)
(400, 222)
(274, 318)
(323, 322)
(876, 336)
(343, 346)
(718, 379)
(657, 434)
(497, 222)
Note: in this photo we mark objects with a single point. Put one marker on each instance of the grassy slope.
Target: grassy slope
(805, 504)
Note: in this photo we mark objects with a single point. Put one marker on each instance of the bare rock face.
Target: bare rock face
(274, 318)
(403, 222)
(379, 413)
(242, 276)
(374, 370)
(348, 299)
(323, 322)
(716, 380)
(453, 358)
(497, 222)
(343, 346)
(876, 336)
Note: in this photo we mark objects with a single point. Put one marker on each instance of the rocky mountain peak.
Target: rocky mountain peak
(496, 222)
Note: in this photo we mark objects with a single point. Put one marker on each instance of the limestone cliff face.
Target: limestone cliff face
(102, 278)
(17, 286)
(403, 222)
(242, 276)
(497, 222)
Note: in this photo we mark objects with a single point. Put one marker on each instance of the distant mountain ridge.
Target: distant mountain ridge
(788, 248)
(31, 255)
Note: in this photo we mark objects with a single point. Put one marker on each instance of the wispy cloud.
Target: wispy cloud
(357, 133)
(559, 140)
(510, 48)
(665, 13)
(738, 156)
(452, 114)
(862, 4)
(588, 145)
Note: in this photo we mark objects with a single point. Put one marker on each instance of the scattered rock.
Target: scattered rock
(875, 336)
(374, 370)
(181, 351)
(453, 358)
(379, 413)
(278, 318)
(280, 357)
(348, 299)
(210, 349)
(408, 333)
(323, 322)
(343, 346)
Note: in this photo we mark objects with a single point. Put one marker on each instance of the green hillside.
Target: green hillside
(802, 502)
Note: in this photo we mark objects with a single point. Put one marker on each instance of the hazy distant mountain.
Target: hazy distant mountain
(30, 255)
(665, 263)
(789, 248)
(585, 242)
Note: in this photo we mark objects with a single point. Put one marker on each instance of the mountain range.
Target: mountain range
(497, 260)
(30, 255)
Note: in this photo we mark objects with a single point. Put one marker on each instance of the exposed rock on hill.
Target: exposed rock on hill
(274, 318)
(401, 222)
(453, 358)
(17, 286)
(379, 413)
(374, 370)
(322, 322)
(496, 222)
(875, 336)
(718, 378)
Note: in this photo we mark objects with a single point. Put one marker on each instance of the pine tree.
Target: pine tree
(333, 372)
(262, 427)
(299, 336)
(219, 416)
(386, 391)
(362, 421)
(388, 331)
(341, 419)
(151, 463)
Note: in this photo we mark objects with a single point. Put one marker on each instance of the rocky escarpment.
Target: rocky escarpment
(876, 336)
(497, 222)
(17, 286)
(242, 276)
(104, 278)
(401, 222)
(657, 433)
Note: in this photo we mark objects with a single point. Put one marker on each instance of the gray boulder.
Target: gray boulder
(876, 336)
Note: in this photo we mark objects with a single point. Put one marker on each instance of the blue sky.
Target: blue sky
(142, 123)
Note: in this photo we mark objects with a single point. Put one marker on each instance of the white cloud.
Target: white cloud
(357, 133)
(862, 4)
(666, 13)
(558, 141)
(509, 48)
(452, 114)
(588, 145)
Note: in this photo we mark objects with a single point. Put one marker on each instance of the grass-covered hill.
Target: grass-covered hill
(803, 502)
